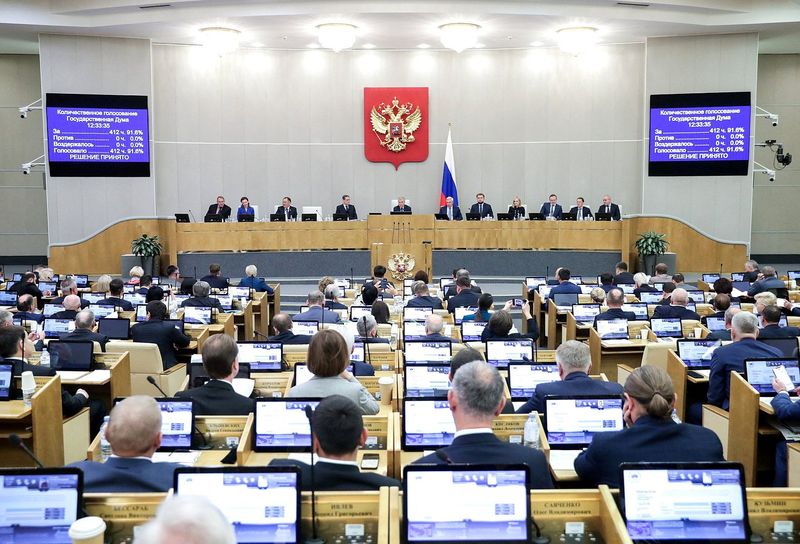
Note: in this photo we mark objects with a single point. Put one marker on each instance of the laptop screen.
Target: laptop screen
(357, 312)
(501, 352)
(177, 323)
(135, 298)
(357, 354)
(198, 375)
(523, 378)
(239, 292)
(54, 327)
(572, 422)
(737, 276)
(81, 280)
(180, 299)
(70, 355)
(197, 315)
(666, 327)
(8, 298)
(759, 373)
(710, 278)
(531, 282)
(787, 346)
(50, 309)
(427, 424)
(177, 422)
(261, 356)
(48, 286)
(39, 505)
(585, 313)
(695, 501)
(471, 330)
(696, 296)
(478, 503)
(565, 300)
(426, 380)
(101, 311)
(416, 314)
(651, 297)
(281, 424)
(544, 291)
(262, 504)
(638, 308)
(612, 329)
(428, 352)
(444, 283)
(697, 353)
(308, 328)
(626, 288)
(461, 311)
(715, 323)
(414, 330)
(6, 377)
(141, 313)
(741, 285)
(115, 329)
(793, 274)
(226, 301)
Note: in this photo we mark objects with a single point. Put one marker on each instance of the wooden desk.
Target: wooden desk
(122, 512)
(38, 425)
(261, 315)
(117, 384)
(607, 354)
(341, 512)
(245, 322)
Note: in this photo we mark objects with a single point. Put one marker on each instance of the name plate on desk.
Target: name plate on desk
(774, 506)
(566, 507)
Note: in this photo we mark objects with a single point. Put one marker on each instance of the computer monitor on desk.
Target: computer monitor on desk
(213, 218)
(602, 217)
(182, 218)
(246, 218)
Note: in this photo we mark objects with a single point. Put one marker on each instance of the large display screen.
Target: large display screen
(97, 135)
(703, 134)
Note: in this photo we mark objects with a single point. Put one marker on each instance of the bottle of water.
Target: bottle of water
(44, 358)
(105, 445)
(531, 432)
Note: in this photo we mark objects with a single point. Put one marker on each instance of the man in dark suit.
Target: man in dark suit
(614, 299)
(564, 285)
(677, 307)
(770, 321)
(422, 298)
(720, 303)
(27, 286)
(282, 326)
(367, 329)
(464, 297)
(72, 305)
(481, 207)
(401, 205)
(214, 279)
(345, 208)
(84, 331)
(606, 282)
(115, 288)
(451, 289)
(200, 297)
(766, 282)
(499, 325)
(476, 399)
(662, 274)
(316, 311)
(286, 209)
(581, 212)
(216, 397)
(338, 434)
(332, 294)
(621, 274)
(134, 432)
(551, 209)
(751, 271)
(69, 287)
(25, 310)
(787, 411)
(220, 208)
(610, 208)
(574, 363)
(640, 279)
(165, 335)
(434, 324)
(452, 211)
(724, 334)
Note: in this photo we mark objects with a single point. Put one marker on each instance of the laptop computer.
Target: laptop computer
(213, 218)
(612, 329)
(115, 328)
(81, 280)
(141, 313)
(281, 424)
(466, 503)
(134, 298)
(424, 351)
(710, 278)
(534, 216)
(695, 502)
(340, 217)
(248, 218)
(261, 356)
(182, 218)
(309, 328)
(504, 217)
(566, 216)
(71, 356)
(197, 315)
(626, 288)
(177, 423)
(238, 292)
(524, 377)
(279, 217)
(666, 327)
(177, 323)
(472, 216)
(308, 217)
(738, 276)
(50, 309)
(787, 346)
(416, 313)
(461, 311)
(758, 373)
(8, 298)
(638, 308)
(651, 297)
(413, 330)
(427, 424)
(471, 331)
(198, 375)
(48, 286)
(262, 504)
(225, 300)
(39, 505)
(714, 323)
(696, 296)
(441, 217)
(429, 380)
(531, 282)
(6, 382)
(571, 422)
(602, 216)
(501, 352)
(357, 312)
(696, 354)
(53, 328)
(793, 274)
(565, 301)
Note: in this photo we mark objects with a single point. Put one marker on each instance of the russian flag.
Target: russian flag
(449, 175)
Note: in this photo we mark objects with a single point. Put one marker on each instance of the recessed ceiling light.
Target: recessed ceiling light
(576, 40)
(313, 45)
(479, 45)
(424, 46)
(336, 36)
(459, 36)
(537, 44)
(220, 40)
(368, 46)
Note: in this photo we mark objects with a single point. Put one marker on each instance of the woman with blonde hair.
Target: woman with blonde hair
(135, 274)
(651, 435)
(102, 285)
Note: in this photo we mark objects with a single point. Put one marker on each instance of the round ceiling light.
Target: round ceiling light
(459, 36)
(576, 40)
(336, 36)
(220, 40)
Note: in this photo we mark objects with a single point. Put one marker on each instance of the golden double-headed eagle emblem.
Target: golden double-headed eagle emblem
(401, 265)
(396, 123)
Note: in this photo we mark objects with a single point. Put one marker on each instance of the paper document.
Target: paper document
(563, 459)
(96, 376)
(71, 375)
(183, 457)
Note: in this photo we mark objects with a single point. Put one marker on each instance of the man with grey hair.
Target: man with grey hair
(767, 281)
(187, 519)
(6, 318)
(282, 326)
(200, 297)
(401, 205)
(453, 290)
(676, 307)
(332, 294)
(72, 305)
(615, 298)
(134, 432)
(85, 330)
(422, 298)
(434, 324)
(574, 362)
(751, 271)
(725, 334)
(315, 310)
(69, 287)
(367, 329)
(476, 399)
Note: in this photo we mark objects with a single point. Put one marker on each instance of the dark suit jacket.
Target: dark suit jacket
(623, 277)
(731, 358)
(765, 285)
(225, 212)
(557, 210)
(487, 209)
(21, 366)
(586, 212)
(785, 409)
(517, 212)
(704, 319)
(289, 337)
(648, 440)
(317, 313)
(125, 475)
(724, 334)
(776, 331)
(64, 314)
(29, 316)
(574, 383)
(533, 332)
(217, 398)
(425, 302)
(362, 369)
(258, 284)
(164, 335)
(85, 335)
(565, 287)
(405, 208)
(614, 313)
(464, 298)
(456, 212)
(282, 211)
(644, 288)
(336, 477)
(126, 306)
(614, 211)
(486, 447)
(333, 305)
(451, 291)
(204, 302)
(58, 301)
(668, 310)
(751, 276)
(216, 282)
(436, 337)
(29, 289)
(351, 211)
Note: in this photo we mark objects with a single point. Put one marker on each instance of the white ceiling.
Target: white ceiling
(398, 24)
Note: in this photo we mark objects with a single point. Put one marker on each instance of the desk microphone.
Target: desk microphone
(190, 213)
(443, 456)
(315, 539)
(367, 358)
(205, 446)
(547, 274)
(17, 441)
(352, 280)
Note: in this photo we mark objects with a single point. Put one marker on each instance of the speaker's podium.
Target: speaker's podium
(401, 243)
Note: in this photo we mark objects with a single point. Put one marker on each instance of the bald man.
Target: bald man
(434, 324)
(134, 431)
(72, 305)
(677, 307)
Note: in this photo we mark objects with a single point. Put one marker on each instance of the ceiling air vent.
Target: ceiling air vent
(634, 4)
(152, 6)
